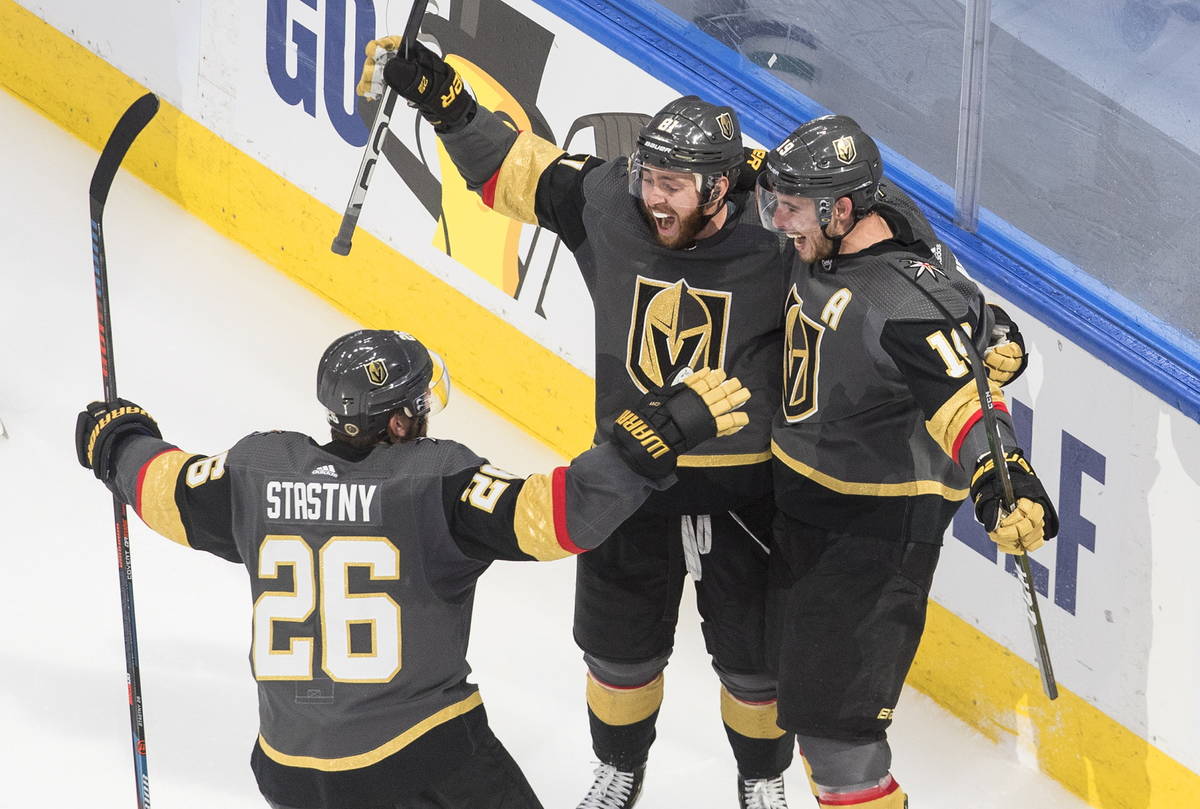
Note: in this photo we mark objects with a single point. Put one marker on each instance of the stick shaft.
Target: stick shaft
(342, 242)
(122, 137)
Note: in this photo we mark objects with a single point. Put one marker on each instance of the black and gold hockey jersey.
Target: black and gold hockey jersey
(658, 311)
(362, 567)
(879, 425)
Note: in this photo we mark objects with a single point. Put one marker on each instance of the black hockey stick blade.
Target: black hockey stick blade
(345, 235)
(124, 133)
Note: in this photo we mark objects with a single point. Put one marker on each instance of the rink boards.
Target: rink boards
(259, 137)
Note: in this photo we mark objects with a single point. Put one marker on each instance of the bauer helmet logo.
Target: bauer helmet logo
(725, 121)
(377, 372)
(844, 147)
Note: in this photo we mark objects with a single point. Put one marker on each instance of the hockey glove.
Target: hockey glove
(666, 423)
(101, 427)
(1034, 519)
(1004, 357)
(422, 78)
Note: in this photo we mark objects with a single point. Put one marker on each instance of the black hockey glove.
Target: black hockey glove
(1034, 519)
(666, 423)
(101, 427)
(1005, 357)
(432, 86)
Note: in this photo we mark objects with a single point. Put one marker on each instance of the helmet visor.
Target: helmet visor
(785, 213)
(438, 395)
(680, 191)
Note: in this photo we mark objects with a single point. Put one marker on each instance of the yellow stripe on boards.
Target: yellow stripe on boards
(998, 692)
(242, 199)
(970, 674)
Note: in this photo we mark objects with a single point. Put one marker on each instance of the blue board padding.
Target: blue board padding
(1153, 353)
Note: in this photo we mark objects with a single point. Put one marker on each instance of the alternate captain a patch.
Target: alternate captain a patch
(673, 327)
(801, 360)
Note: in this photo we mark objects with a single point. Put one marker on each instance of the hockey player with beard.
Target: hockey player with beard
(878, 441)
(363, 554)
(679, 284)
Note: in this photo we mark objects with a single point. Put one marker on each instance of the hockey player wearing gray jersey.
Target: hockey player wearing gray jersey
(679, 283)
(878, 441)
(363, 555)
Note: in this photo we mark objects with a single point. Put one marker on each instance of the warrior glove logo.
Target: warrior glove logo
(844, 146)
(376, 372)
(674, 327)
(801, 361)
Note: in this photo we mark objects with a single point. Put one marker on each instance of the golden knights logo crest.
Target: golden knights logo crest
(725, 121)
(376, 372)
(801, 360)
(673, 327)
(844, 147)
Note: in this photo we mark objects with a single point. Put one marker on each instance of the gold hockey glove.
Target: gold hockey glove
(666, 423)
(1005, 357)
(101, 427)
(1034, 519)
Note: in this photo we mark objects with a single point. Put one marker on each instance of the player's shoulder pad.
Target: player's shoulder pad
(448, 457)
(930, 278)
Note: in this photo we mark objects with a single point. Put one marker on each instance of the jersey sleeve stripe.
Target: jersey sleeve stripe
(536, 521)
(154, 501)
(512, 190)
(559, 478)
(954, 419)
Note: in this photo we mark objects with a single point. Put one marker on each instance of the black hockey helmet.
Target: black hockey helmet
(367, 375)
(690, 135)
(825, 159)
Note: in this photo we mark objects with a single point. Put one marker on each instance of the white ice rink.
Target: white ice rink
(216, 344)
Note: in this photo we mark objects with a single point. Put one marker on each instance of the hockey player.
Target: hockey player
(363, 555)
(678, 284)
(878, 441)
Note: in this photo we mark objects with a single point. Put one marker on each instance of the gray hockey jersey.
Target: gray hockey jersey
(362, 567)
(658, 311)
(879, 424)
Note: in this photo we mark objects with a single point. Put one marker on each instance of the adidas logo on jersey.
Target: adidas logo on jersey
(327, 469)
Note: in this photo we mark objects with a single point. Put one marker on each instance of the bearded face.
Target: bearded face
(670, 202)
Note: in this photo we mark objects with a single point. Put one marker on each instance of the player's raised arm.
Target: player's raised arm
(497, 515)
(183, 496)
(517, 174)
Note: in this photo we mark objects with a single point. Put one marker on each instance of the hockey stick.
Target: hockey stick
(132, 122)
(996, 446)
(383, 116)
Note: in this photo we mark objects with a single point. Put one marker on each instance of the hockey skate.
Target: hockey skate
(761, 793)
(613, 788)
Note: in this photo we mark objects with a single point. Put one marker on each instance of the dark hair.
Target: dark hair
(419, 425)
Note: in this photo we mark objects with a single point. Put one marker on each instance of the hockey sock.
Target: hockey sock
(887, 794)
(622, 721)
(761, 748)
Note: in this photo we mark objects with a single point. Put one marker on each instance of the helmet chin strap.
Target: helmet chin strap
(837, 240)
